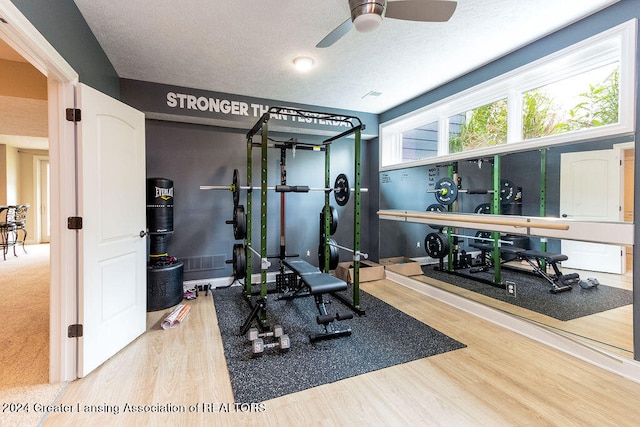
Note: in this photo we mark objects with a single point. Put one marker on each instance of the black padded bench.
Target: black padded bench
(537, 260)
(318, 284)
(316, 281)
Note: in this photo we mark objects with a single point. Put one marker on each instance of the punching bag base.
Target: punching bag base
(164, 285)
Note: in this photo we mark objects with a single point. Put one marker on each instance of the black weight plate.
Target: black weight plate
(446, 191)
(436, 208)
(436, 245)
(235, 188)
(334, 255)
(239, 261)
(483, 208)
(507, 191)
(239, 223)
(341, 190)
(333, 220)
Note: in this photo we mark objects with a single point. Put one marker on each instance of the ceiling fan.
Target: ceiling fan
(366, 15)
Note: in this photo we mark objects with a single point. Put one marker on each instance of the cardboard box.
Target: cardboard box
(369, 271)
(402, 265)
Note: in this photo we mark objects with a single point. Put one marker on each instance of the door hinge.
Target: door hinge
(74, 331)
(74, 223)
(73, 114)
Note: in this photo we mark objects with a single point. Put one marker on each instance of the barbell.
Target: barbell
(446, 191)
(341, 189)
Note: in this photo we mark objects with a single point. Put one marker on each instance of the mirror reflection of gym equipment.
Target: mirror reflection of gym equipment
(610, 329)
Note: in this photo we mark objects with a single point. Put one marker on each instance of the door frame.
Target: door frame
(41, 183)
(22, 36)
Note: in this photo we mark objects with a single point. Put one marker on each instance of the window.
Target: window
(581, 92)
(420, 143)
(478, 128)
(586, 100)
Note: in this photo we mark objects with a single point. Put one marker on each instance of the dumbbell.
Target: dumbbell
(283, 343)
(254, 334)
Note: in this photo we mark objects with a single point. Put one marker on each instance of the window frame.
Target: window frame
(616, 44)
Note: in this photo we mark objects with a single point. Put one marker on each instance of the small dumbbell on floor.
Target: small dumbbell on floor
(258, 345)
(254, 334)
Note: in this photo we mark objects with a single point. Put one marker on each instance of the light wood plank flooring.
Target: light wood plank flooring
(501, 378)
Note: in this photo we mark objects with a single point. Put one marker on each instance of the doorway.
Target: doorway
(24, 136)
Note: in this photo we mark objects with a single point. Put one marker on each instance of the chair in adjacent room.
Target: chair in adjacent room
(7, 229)
(20, 223)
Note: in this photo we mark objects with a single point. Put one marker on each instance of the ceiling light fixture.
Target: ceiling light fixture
(366, 14)
(303, 63)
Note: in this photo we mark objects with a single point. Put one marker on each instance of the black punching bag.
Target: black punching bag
(159, 205)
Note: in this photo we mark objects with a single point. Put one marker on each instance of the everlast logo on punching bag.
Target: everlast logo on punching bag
(164, 193)
(160, 205)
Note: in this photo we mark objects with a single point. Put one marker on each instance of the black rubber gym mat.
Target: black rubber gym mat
(532, 293)
(383, 337)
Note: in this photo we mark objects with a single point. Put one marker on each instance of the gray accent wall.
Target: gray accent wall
(62, 24)
(192, 155)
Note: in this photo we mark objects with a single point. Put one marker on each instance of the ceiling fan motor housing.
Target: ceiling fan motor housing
(366, 14)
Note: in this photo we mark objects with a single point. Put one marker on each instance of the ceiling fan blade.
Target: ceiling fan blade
(336, 34)
(424, 11)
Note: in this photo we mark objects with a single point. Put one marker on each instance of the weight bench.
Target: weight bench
(559, 282)
(537, 260)
(317, 284)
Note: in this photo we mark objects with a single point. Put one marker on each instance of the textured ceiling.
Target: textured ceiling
(246, 47)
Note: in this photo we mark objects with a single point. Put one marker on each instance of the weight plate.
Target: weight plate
(436, 208)
(446, 191)
(507, 191)
(483, 208)
(333, 220)
(235, 188)
(334, 255)
(239, 261)
(436, 245)
(341, 190)
(239, 223)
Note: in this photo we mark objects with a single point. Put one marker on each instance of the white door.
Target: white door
(112, 288)
(590, 184)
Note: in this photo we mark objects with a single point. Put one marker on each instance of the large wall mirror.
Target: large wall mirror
(557, 134)
(589, 181)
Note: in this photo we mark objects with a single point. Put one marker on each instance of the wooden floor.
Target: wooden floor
(501, 378)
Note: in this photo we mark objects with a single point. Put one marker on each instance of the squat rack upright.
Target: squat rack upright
(261, 126)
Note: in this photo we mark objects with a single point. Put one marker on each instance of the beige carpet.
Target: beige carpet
(24, 335)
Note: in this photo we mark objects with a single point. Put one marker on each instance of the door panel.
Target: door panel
(112, 289)
(590, 185)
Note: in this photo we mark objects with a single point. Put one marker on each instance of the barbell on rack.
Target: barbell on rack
(446, 191)
(341, 189)
(334, 255)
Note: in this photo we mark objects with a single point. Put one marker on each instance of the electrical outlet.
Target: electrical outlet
(417, 244)
(511, 288)
(308, 253)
